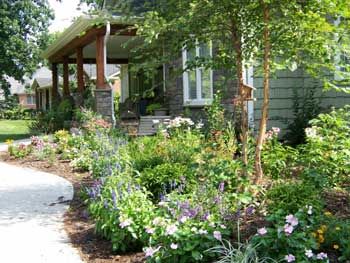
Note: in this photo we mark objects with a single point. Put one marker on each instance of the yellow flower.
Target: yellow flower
(9, 141)
(335, 246)
(314, 234)
(323, 228)
(327, 213)
(337, 228)
(320, 239)
(320, 231)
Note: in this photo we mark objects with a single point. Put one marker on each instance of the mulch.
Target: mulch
(92, 248)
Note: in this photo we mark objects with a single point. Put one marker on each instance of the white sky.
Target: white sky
(65, 11)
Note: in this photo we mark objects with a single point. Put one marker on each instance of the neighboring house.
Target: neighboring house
(191, 91)
(26, 97)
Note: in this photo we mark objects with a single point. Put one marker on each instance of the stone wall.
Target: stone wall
(104, 104)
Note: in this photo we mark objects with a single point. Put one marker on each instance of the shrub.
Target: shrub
(288, 197)
(19, 151)
(326, 152)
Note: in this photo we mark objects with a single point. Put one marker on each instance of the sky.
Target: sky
(65, 11)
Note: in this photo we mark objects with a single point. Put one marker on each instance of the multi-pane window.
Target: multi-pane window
(198, 83)
(30, 99)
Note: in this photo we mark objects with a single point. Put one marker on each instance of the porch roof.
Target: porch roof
(82, 34)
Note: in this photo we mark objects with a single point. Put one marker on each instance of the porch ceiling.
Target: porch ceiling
(83, 33)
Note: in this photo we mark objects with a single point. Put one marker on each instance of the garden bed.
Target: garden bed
(91, 247)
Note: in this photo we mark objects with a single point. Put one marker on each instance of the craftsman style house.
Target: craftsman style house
(85, 43)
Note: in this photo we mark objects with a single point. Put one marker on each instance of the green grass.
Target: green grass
(14, 129)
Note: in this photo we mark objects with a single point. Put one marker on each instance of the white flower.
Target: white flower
(202, 232)
(223, 226)
(194, 229)
(173, 246)
(150, 251)
(155, 121)
(183, 219)
(309, 253)
(311, 132)
(170, 230)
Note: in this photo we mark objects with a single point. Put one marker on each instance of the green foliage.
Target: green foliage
(23, 34)
(216, 114)
(53, 119)
(152, 107)
(278, 160)
(305, 108)
(289, 197)
(19, 151)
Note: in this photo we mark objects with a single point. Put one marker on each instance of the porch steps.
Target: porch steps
(149, 126)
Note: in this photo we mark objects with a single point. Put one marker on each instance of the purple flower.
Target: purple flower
(217, 235)
(322, 255)
(173, 246)
(309, 253)
(250, 210)
(289, 258)
(170, 230)
(291, 219)
(262, 231)
(205, 216)
(150, 251)
(222, 187)
(288, 229)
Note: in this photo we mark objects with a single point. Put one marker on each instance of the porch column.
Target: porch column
(103, 93)
(55, 97)
(66, 92)
(80, 75)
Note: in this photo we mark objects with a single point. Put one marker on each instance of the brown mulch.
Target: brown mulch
(91, 247)
(338, 203)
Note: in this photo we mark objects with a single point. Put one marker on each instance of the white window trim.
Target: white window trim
(199, 101)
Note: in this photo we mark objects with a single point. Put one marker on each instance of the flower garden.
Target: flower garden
(181, 195)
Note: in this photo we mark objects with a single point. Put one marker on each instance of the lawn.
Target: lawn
(14, 129)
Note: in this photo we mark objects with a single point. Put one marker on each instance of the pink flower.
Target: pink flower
(125, 223)
(150, 251)
(149, 230)
(309, 253)
(217, 235)
(262, 231)
(170, 230)
(288, 229)
(289, 258)
(322, 255)
(173, 246)
(291, 219)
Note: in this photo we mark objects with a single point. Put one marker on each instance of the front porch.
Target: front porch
(88, 41)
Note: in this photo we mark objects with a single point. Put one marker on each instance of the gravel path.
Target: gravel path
(32, 205)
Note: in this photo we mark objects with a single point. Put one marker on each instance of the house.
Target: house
(83, 42)
(26, 97)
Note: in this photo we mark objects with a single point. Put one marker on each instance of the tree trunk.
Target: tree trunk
(237, 42)
(266, 90)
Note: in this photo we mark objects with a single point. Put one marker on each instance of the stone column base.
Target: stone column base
(104, 104)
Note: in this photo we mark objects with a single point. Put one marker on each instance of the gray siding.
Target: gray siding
(282, 94)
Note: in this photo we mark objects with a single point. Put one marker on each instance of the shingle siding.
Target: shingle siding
(283, 87)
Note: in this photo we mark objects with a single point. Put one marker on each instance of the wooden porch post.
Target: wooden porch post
(80, 70)
(54, 84)
(66, 92)
(100, 62)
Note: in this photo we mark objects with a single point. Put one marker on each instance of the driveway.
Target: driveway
(32, 205)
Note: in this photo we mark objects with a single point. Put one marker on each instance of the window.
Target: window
(30, 99)
(198, 83)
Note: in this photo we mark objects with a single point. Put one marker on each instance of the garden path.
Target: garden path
(32, 205)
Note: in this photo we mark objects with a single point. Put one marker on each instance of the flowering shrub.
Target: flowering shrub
(326, 154)
(290, 237)
(19, 151)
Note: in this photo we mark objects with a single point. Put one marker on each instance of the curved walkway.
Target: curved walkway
(31, 217)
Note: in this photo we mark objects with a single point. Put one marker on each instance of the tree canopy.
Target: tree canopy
(23, 34)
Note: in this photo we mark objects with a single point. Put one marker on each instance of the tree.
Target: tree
(23, 34)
